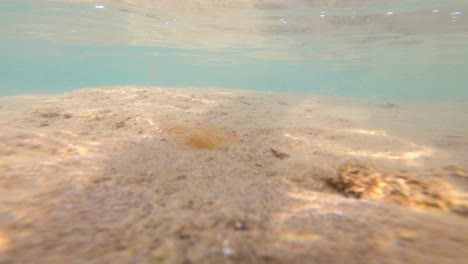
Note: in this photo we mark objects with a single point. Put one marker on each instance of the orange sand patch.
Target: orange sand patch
(202, 137)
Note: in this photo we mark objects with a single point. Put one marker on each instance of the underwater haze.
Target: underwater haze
(233, 131)
(388, 50)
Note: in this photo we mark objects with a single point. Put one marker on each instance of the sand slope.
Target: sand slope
(93, 176)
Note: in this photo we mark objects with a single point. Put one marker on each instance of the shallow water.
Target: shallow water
(373, 49)
(259, 131)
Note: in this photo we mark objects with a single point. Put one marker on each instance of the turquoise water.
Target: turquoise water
(373, 49)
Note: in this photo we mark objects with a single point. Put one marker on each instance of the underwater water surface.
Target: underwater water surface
(372, 49)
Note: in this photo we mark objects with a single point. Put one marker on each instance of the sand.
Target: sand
(93, 176)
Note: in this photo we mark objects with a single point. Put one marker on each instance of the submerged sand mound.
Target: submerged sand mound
(143, 175)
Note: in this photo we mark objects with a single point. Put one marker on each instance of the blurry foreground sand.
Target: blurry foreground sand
(93, 176)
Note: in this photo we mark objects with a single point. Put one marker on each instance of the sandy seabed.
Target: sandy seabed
(92, 176)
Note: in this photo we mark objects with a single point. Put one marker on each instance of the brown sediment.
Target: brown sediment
(362, 180)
